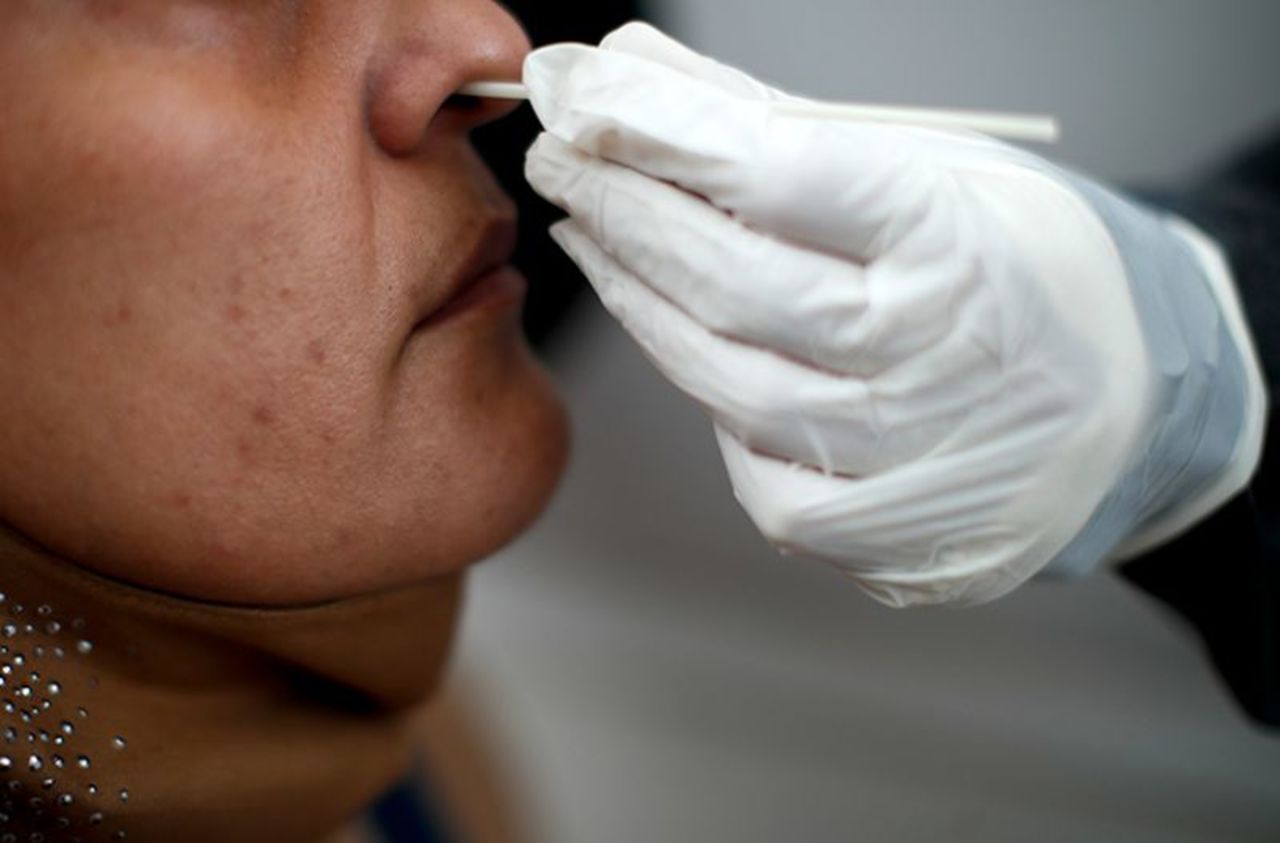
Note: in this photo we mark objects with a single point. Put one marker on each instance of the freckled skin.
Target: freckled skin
(212, 216)
(121, 315)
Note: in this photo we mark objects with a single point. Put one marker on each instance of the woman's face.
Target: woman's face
(239, 355)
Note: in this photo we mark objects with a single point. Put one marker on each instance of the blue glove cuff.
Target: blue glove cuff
(1201, 399)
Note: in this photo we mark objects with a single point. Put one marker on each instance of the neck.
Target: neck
(251, 724)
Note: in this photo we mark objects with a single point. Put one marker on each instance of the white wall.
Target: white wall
(1147, 89)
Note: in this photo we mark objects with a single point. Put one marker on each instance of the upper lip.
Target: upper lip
(491, 249)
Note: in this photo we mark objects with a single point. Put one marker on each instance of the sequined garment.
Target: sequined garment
(130, 715)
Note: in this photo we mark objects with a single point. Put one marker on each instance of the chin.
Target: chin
(519, 475)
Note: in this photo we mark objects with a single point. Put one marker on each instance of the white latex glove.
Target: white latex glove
(929, 359)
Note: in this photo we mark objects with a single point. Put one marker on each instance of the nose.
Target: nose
(429, 49)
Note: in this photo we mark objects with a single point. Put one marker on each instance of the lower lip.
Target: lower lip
(499, 290)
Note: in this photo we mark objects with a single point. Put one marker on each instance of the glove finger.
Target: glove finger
(760, 290)
(734, 281)
(928, 533)
(831, 422)
(853, 189)
(644, 41)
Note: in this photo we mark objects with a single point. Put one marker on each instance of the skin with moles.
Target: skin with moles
(224, 227)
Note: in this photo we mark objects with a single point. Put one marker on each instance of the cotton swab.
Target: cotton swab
(1021, 127)
(495, 90)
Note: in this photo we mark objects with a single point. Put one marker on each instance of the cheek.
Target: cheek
(200, 362)
(206, 270)
(182, 307)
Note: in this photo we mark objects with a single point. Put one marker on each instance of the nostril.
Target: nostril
(407, 100)
(464, 103)
(431, 53)
(475, 111)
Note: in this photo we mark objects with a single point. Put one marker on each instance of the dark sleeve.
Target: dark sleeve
(1223, 576)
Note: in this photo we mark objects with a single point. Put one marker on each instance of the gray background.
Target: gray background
(651, 671)
(1146, 89)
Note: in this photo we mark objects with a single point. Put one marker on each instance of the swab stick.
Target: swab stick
(495, 90)
(1021, 127)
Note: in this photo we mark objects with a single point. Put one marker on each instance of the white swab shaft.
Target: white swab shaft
(1022, 127)
(495, 90)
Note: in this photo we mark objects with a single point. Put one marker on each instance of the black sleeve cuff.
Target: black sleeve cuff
(1223, 578)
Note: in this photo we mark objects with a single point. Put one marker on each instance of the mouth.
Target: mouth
(485, 275)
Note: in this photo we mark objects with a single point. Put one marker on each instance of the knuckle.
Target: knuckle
(780, 521)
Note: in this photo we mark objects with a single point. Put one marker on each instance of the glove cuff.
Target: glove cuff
(1244, 462)
(1206, 418)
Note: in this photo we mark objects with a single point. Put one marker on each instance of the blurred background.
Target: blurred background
(642, 667)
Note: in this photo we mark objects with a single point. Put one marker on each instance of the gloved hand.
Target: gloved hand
(932, 359)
